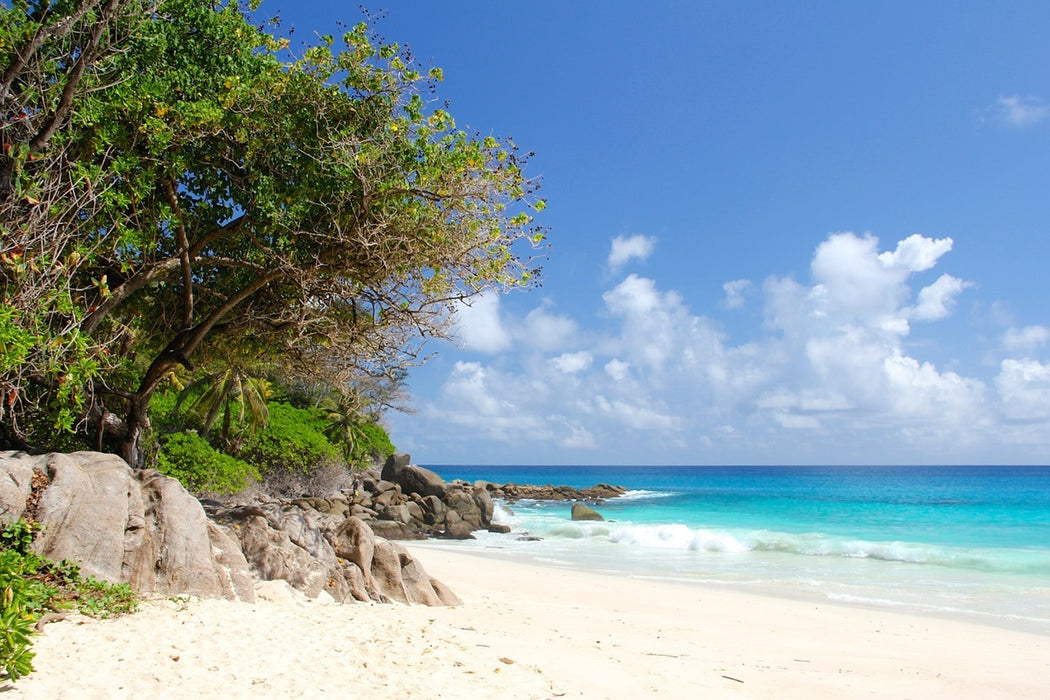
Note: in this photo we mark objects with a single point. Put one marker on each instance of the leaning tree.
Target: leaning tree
(176, 183)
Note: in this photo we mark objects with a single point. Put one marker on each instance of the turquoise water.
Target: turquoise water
(970, 542)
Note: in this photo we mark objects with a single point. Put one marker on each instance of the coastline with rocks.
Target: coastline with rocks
(143, 528)
(244, 597)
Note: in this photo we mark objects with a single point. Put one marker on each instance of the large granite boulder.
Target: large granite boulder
(400, 577)
(412, 478)
(122, 525)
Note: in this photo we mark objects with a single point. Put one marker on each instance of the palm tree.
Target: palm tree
(234, 392)
(345, 414)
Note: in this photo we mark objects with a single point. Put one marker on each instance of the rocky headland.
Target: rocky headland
(145, 529)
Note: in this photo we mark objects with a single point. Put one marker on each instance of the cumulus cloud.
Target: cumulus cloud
(1024, 389)
(480, 327)
(916, 253)
(936, 300)
(546, 331)
(734, 290)
(1016, 111)
(627, 248)
(617, 369)
(637, 416)
(1027, 339)
(573, 362)
(832, 367)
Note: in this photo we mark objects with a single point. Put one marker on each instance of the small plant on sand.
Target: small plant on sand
(32, 587)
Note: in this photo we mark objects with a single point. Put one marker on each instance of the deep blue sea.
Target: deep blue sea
(966, 542)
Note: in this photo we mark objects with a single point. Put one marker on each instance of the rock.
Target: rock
(463, 504)
(499, 528)
(433, 511)
(354, 540)
(456, 528)
(547, 492)
(359, 587)
(274, 556)
(386, 569)
(411, 478)
(582, 511)
(145, 529)
(15, 485)
(385, 498)
(399, 576)
(445, 593)
(120, 525)
(393, 530)
(483, 500)
(364, 513)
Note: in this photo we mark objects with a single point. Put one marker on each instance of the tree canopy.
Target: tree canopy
(178, 186)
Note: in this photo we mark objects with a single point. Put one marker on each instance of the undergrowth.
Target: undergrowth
(31, 587)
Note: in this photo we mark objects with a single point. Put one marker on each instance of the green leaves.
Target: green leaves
(220, 196)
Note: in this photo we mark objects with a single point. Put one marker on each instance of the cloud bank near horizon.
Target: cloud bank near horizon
(832, 373)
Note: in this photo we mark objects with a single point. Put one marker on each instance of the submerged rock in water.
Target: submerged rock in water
(582, 511)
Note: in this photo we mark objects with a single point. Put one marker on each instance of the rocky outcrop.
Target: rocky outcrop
(323, 552)
(405, 501)
(145, 529)
(515, 492)
(120, 525)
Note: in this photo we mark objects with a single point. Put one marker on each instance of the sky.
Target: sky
(780, 233)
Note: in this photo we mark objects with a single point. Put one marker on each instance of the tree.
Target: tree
(235, 393)
(205, 194)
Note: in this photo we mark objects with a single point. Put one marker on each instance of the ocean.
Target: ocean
(967, 542)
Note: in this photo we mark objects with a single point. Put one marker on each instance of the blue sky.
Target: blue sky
(781, 233)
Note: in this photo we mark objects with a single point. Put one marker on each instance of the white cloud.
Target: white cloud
(1024, 389)
(1027, 339)
(546, 331)
(794, 421)
(917, 253)
(479, 325)
(936, 300)
(617, 369)
(734, 290)
(918, 390)
(1017, 111)
(627, 248)
(579, 438)
(573, 362)
(832, 370)
(637, 416)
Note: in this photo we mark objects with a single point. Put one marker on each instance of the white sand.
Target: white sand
(531, 632)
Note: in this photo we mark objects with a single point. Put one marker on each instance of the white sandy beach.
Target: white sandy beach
(530, 632)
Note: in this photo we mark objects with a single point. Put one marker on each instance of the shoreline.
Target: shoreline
(529, 631)
(629, 566)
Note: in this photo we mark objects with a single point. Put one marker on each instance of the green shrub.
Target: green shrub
(292, 440)
(16, 622)
(31, 586)
(373, 444)
(200, 467)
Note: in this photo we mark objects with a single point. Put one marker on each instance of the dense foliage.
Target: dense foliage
(31, 586)
(200, 467)
(298, 449)
(183, 194)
